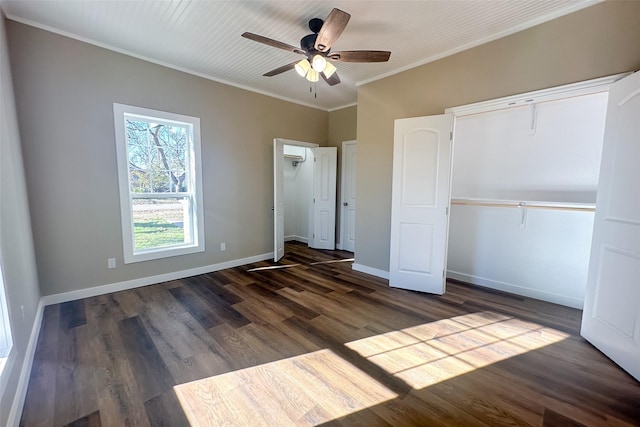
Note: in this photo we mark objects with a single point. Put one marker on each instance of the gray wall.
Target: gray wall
(342, 127)
(65, 90)
(597, 41)
(16, 245)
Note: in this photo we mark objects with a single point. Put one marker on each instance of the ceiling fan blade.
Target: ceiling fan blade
(360, 56)
(272, 42)
(280, 70)
(333, 26)
(331, 81)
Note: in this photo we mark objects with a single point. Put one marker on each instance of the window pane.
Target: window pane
(161, 223)
(158, 156)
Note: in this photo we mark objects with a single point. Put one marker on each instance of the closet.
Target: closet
(304, 194)
(543, 203)
(523, 195)
(517, 194)
(298, 193)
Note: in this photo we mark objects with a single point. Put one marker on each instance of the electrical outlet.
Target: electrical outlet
(223, 246)
(111, 263)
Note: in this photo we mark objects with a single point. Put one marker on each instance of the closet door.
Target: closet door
(324, 198)
(420, 203)
(611, 317)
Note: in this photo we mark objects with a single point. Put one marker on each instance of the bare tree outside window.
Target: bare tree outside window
(158, 163)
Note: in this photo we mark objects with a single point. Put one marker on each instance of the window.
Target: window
(159, 172)
(5, 329)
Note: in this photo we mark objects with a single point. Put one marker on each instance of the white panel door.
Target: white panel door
(324, 198)
(348, 217)
(420, 203)
(611, 317)
(278, 199)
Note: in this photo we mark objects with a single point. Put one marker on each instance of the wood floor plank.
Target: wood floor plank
(269, 295)
(76, 393)
(119, 395)
(151, 373)
(319, 344)
(200, 311)
(72, 314)
(91, 420)
(165, 410)
(39, 406)
(219, 301)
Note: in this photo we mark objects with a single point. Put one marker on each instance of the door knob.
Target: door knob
(345, 204)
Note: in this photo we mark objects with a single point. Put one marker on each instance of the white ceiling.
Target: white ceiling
(203, 37)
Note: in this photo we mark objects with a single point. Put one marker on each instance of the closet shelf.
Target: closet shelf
(294, 157)
(576, 207)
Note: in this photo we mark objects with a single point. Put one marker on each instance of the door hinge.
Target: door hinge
(443, 273)
(314, 200)
(451, 136)
(446, 212)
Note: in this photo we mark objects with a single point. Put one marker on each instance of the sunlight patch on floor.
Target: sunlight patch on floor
(273, 267)
(304, 390)
(321, 386)
(427, 354)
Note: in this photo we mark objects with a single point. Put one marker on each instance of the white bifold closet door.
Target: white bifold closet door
(324, 197)
(611, 317)
(420, 203)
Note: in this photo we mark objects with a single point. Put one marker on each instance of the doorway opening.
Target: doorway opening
(304, 176)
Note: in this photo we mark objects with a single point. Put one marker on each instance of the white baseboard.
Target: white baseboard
(296, 239)
(25, 373)
(150, 280)
(516, 289)
(370, 270)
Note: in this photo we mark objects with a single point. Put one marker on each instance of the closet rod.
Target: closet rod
(522, 205)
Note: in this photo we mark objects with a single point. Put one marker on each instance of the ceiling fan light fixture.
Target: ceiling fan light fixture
(303, 67)
(318, 63)
(329, 69)
(313, 75)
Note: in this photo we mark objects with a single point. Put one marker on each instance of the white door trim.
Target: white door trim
(345, 170)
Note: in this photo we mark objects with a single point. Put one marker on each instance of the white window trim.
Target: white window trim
(119, 111)
(5, 324)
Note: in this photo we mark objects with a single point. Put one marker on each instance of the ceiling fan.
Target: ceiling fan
(317, 49)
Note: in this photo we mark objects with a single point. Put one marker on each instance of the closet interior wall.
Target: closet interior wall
(298, 192)
(524, 183)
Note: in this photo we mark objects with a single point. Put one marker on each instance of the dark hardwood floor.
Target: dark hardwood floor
(319, 344)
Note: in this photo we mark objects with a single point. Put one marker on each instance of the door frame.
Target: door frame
(344, 166)
(278, 178)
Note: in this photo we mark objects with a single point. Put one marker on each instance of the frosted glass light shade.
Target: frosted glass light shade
(319, 62)
(329, 69)
(313, 75)
(302, 67)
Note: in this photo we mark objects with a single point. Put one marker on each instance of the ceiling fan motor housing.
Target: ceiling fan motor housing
(307, 43)
(315, 24)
